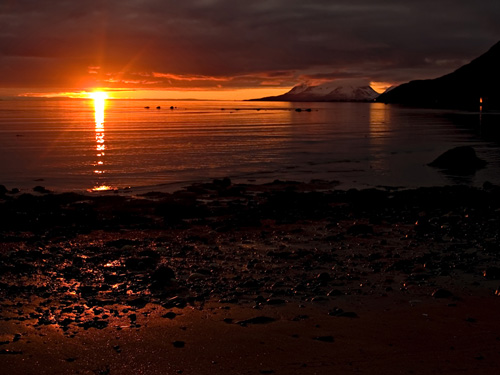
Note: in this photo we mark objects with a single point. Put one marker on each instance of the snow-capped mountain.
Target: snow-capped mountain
(333, 91)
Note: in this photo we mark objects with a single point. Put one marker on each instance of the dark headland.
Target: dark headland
(469, 87)
(223, 278)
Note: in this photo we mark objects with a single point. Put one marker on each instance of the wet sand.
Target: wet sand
(283, 278)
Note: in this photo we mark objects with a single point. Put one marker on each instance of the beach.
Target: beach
(278, 278)
(269, 187)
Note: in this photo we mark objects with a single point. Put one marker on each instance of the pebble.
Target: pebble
(179, 344)
(257, 320)
(492, 273)
(343, 314)
(324, 338)
(7, 351)
(169, 315)
(162, 276)
(442, 293)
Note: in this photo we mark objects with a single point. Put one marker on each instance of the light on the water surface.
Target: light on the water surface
(99, 98)
(99, 106)
(102, 188)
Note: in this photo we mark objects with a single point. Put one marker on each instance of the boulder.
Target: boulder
(162, 276)
(459, 160)
(41, 190)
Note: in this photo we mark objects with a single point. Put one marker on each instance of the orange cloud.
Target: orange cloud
(93, 69)
(190, 78)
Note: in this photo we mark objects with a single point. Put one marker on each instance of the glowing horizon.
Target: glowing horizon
(163, 94)
(114, 93)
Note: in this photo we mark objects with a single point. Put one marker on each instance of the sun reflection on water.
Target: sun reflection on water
(99, 108)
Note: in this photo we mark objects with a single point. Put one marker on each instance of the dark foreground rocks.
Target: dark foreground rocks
(95, 262)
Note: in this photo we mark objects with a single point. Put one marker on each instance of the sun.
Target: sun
(98, 95)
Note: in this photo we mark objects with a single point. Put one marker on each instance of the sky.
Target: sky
(239, 49)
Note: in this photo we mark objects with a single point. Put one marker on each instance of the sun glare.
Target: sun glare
(98, 95)
(99, 105)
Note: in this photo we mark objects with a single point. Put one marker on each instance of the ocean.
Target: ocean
(81, 145)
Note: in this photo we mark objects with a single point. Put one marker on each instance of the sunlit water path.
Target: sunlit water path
(83, 145)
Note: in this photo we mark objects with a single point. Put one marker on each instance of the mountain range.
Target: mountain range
(473, 85)
(470, 86)
(341, 90)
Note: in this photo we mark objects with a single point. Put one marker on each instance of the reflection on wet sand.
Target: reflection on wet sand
(379, 132)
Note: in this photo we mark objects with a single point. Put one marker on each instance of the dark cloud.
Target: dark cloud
(228, 43)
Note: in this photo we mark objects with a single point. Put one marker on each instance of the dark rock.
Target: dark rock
(229, 300)
(442, 293)
(459, 160)
(179, 344)
(224, 183)
(492, 273)
(65, 322)
(162, 276)
(250, 284)
(140, 263)
(257, 320)
(324, 338)
(324, 277)
(87, 290)
(103, 371)
(360, 229)
(169, 315)
(275, 301)
(44, 320)
(343, 314)
(280, 254)
(98, 324)
(120, 243)
(319, 299)
(298, 318)
(41, 190)
(138, 302)
(7, 351)
(334, 292)
(260, 299)
(175, 302)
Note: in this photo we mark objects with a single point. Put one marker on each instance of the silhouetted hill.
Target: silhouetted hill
(461, 89)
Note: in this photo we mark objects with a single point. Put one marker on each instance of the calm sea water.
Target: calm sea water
(77, 145)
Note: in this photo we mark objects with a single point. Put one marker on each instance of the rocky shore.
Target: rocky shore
(279, 278)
